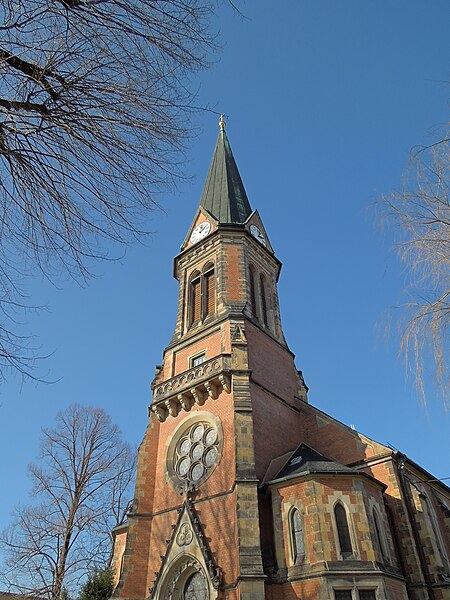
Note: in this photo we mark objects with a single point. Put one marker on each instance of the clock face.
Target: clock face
(200, 232)
(256, 233)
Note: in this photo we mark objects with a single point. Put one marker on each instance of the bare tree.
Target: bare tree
(94, 110)
(80, 488)
(421, 213)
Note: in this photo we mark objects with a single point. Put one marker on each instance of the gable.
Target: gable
(187, 554)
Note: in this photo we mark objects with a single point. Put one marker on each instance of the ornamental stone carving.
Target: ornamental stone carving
(194, 386)
(184, 537)
(196, 453)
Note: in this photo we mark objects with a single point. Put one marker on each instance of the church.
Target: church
(244, 490)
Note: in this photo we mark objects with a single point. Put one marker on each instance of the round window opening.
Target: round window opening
(196, 588)
(196, 453)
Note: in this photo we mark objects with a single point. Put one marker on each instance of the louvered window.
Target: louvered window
(202, 295)
(343, 531)
(262, 288)
(297, 541)
(210, 291)
(251, 275)
(196, 302)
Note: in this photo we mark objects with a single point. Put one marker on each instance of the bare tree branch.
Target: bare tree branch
(81, 487)
(94, 112)
(421, 215)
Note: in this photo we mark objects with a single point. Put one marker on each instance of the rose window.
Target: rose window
(197, 452)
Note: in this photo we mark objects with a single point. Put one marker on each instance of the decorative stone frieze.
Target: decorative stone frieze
(191, 387)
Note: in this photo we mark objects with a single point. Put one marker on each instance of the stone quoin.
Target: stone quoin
(244, 491)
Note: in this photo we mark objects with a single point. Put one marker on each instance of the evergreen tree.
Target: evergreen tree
(99, 586)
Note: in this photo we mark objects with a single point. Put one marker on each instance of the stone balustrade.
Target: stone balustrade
(192, 387)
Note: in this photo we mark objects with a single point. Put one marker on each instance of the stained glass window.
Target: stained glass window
(196, 588)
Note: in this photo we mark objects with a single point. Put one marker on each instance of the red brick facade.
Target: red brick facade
(233, 449)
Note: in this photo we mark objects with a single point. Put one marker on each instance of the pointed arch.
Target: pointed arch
(263, 295)
(195, 301)
(251, 277)
(296, 535)
(378, 533)
(343, 530)
(195, 587)
(209, 290)
(182, 577)
(436, 537)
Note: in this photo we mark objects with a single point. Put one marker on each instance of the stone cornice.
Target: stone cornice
(191, 387)
(314, 475)
(210, 326)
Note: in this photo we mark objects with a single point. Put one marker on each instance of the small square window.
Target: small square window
(198, 360)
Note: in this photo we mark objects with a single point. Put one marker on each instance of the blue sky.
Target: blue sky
(325, 100)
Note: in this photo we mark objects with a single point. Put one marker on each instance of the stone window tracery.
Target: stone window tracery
(297, 539)
(196, 452)
(196, 588)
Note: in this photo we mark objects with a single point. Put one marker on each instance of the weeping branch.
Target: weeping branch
(421, 215)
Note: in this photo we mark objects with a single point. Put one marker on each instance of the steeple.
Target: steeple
(224, 195)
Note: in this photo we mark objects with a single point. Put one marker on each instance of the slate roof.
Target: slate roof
(224, 195)
(306, 460)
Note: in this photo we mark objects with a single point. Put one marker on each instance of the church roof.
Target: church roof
(224, 195)
(306, 460)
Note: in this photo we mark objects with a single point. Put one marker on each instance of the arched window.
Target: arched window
(195, 302)
(202, 295)
(297, 539)
(209, 284)
(380, 539)
(262, 291)
(251, 276)
(436, 538)
(196, 588)
(343, 531)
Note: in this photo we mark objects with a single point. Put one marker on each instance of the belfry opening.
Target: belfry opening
(244, 490)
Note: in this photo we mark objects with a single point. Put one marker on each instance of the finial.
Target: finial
(222, 122)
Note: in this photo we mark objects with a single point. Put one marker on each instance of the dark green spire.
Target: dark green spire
(224, 195)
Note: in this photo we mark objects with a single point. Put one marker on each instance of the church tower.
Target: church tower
(234, 498)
